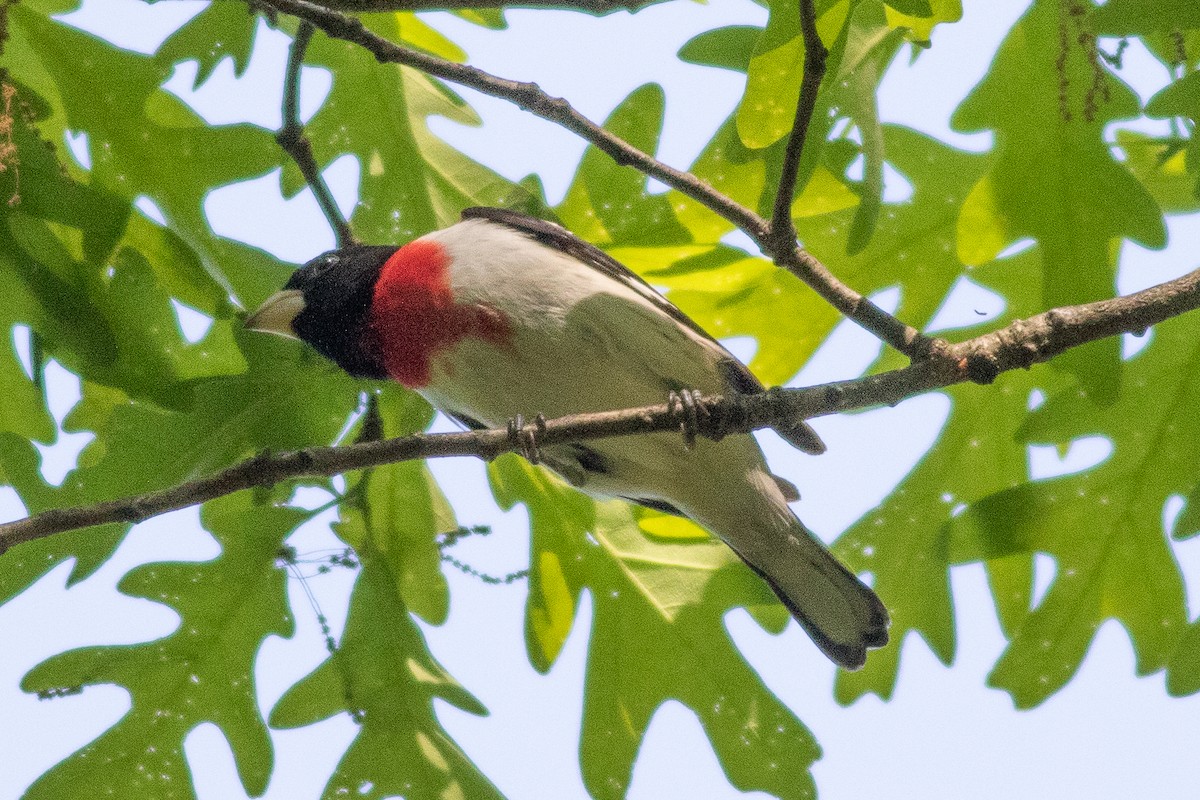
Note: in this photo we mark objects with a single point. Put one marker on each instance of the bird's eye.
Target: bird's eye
(324, 264)
(313, 271)
(327, 261)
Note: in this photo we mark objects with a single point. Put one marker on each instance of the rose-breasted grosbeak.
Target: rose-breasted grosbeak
(504, 314)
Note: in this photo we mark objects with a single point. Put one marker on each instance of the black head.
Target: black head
(326, 303)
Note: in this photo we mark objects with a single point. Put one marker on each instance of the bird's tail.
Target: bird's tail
(838, 611)
(841, 613)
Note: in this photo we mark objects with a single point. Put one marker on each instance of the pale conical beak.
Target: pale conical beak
(276, 315)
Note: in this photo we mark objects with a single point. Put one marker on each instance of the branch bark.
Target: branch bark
(530, 97)
(1020, 344)
(783, 231)
(292, 139)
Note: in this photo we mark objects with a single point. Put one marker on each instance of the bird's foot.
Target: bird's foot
(685, 405)
(524, 438)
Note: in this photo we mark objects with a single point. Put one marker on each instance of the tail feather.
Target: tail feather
(841, 613)
(728, 489)
(802, 436)
(838, 611)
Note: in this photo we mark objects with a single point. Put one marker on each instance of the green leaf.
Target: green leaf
(1164, 168)
(23, 411)
(1182, 99)
(411, 181)
(914, 8)
(919, 26)
(88, 219)
(491, 18)
(1178, 99)
(861, 43)
(1183, 673)
(863, 107)
(203, 672)
(1187, 524)
(143, 140)
(220, 31)
(1104, 526)
(908, 543)
(383, 674)
(768, 107)
(728, 48)
(608, 203)
(27, 562)
(277, 404)
(1133, 17)
(913, 246)
(396, 511)
(1053, 177)
(558, 515)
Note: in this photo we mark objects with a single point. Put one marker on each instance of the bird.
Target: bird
(504, 316)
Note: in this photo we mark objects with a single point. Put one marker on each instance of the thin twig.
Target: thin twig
(781, 242)
(783, 231)
(530, 97)
(292, 139)
(895, 333)
(1019, 345)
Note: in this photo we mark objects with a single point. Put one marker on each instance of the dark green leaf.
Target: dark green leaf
(1053, 177)
(1132, 17)
(916, 8)
(728, 48)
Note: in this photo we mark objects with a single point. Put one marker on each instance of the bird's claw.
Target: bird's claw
(685, 405)
(524, 438)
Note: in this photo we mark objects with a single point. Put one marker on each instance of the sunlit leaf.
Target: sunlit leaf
(1053, 177)
(658, 635)
(202, 672)
(384, 676)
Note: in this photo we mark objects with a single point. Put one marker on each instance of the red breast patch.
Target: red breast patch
(415, 316)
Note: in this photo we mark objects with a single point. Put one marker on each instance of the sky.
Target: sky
(943, 735)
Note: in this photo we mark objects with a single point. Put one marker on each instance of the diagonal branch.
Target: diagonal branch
(292, 139)
(530, 97)
(1020, 344)
(885, 327)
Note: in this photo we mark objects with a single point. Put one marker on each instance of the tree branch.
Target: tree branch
(530, 97)
(857, 308)
(1021, 344)
(292, 139)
